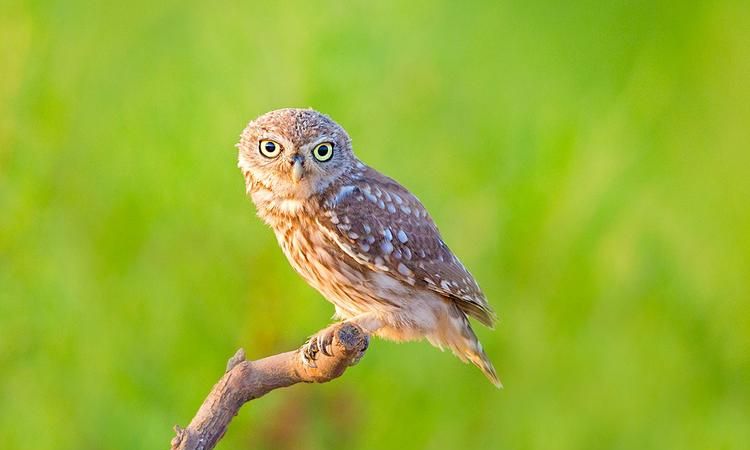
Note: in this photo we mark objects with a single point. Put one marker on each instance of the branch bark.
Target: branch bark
(247, 380)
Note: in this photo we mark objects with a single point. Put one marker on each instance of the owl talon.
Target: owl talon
(325, 342)
(320, 343)
(309, 353)
(306, 361)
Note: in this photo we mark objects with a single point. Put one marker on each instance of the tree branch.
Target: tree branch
(247, 380)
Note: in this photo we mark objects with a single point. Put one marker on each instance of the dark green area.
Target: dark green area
(587, 160)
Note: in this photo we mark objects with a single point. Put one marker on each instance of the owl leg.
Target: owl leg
(322, 341)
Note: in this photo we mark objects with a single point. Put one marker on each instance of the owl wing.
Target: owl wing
(385, 228)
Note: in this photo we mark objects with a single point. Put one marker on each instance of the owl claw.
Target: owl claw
(320, 343)
(306, 361)
(308, 353)
(325, 342)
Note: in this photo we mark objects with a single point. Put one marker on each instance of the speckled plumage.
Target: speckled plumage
(360, 238)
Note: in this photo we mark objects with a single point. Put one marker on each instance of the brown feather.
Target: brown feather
(386, 228)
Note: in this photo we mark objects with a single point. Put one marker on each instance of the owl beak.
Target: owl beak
(297, 168)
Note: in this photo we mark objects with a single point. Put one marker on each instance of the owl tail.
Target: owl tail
(479, 358)
(465, 344)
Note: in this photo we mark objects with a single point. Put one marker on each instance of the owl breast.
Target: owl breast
(353, 290)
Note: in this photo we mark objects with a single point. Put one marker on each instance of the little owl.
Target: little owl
(361, 239)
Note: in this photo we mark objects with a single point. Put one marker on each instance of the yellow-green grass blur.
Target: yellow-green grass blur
(588, 161)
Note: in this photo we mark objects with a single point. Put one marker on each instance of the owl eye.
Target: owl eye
(269, 149)
(323, 152)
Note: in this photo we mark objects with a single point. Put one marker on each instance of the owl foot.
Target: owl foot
(319, 343)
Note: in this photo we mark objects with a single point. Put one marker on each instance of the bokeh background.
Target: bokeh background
(589, 162)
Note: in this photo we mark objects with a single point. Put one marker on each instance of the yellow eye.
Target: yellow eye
(323, 152)
(269, 149)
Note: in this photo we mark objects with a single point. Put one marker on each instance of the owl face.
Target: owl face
(294, 153)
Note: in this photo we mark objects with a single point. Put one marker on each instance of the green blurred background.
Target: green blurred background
(587, 160)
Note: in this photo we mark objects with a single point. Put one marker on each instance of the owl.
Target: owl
(361, 239)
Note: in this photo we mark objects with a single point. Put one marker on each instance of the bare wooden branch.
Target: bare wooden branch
(247, 380)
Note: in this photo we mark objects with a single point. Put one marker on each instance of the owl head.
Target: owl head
(294, 153)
